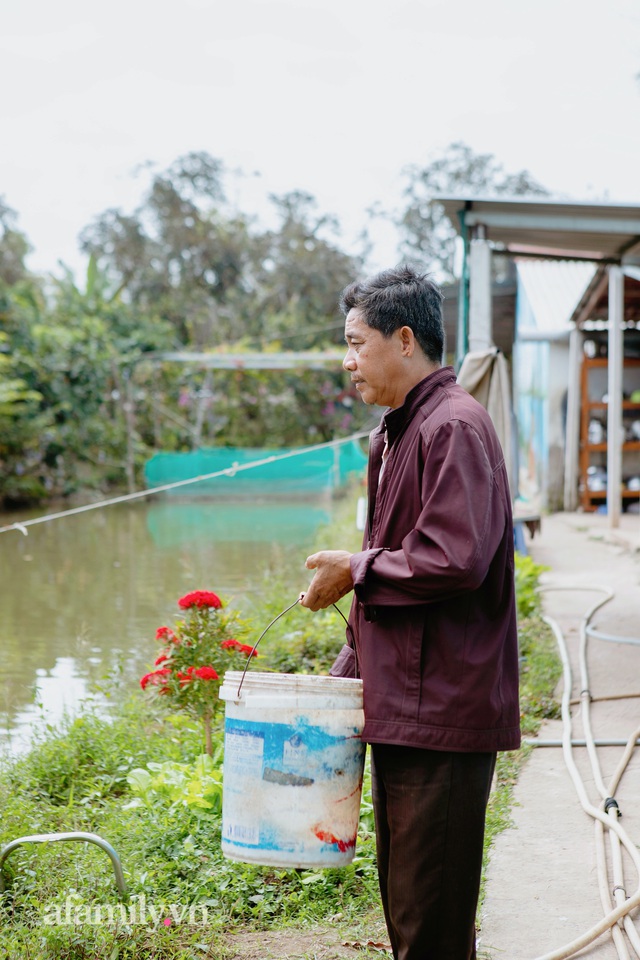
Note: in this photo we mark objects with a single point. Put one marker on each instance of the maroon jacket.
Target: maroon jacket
(434, 615)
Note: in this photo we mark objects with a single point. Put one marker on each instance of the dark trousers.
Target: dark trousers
(430, 810)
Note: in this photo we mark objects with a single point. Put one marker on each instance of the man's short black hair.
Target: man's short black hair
(400, 297)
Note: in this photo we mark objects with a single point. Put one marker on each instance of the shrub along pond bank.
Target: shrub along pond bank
(142, 781)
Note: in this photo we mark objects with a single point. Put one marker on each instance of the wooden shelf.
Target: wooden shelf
(591, 499)
(602, 447)
(599, 405)
(602, 494)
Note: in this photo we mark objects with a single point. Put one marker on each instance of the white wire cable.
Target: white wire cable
(623, 910)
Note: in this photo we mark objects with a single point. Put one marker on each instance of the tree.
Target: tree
(70, 361)
(426, 232)
(84, 397)
(185, 255)
(180, 255)
(13, 247)
(23, 420)
(301, 274)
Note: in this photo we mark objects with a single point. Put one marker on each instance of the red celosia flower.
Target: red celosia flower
(229, 645)
(240, 647)
(200, 598)
(161, 659)
(156, 677)
(247, 649)
(187, 677)
(166, 632)
(207, 673)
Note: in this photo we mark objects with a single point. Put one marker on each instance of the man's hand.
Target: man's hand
(331, 580)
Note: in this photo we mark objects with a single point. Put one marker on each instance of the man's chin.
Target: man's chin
(365, 395)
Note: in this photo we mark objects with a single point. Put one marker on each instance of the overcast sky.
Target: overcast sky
(334, 97)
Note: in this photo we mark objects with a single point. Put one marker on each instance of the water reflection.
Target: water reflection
(57, 692)
(82, 596)
(172, 524)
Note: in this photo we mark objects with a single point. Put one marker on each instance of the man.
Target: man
(432, 623)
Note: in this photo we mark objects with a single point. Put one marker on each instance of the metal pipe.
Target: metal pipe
(73, 835)
(576, 743)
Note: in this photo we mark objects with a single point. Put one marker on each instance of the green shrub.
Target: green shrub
(527, 578)
(197, 786)
(77, 761)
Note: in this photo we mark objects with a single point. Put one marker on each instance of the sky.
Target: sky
(333, 97)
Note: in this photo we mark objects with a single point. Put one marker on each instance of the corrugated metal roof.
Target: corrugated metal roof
(601, 231)
(593, 306)
(553, 289)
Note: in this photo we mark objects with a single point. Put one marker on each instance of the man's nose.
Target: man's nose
(349, 362)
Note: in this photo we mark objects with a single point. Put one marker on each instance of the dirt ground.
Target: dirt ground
(318, 943)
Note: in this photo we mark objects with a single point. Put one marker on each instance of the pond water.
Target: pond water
(82, 595)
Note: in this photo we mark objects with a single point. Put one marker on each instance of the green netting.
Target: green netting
(314, 471)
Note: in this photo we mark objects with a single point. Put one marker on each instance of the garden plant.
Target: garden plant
(189, 669)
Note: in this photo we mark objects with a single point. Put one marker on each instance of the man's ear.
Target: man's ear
(407, 340)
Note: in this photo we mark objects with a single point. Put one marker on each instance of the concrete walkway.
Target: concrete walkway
(542, 890)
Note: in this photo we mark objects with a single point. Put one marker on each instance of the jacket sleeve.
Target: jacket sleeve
(345, 664)
(460, 523)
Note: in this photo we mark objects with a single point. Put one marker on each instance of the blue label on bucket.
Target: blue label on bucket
(251, 746)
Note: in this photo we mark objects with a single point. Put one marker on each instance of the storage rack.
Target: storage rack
(595, 454)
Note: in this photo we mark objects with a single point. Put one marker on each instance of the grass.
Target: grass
(80, 777)
(170, 851)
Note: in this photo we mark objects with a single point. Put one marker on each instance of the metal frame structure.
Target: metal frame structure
(604, 233)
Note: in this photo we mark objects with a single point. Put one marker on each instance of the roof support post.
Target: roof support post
(462, 329)
(480, 326)
(572, 426)
(614, 389)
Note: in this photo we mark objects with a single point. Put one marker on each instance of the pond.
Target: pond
(82, 595)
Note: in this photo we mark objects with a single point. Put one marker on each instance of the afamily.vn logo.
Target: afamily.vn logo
(138, 911)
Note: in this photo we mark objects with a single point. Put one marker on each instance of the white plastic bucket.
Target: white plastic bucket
(293, 765)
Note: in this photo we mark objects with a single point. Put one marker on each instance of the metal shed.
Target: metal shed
(606, 234)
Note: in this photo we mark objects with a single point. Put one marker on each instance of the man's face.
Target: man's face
(374, 362)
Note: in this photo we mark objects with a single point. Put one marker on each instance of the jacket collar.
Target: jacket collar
(394, 421)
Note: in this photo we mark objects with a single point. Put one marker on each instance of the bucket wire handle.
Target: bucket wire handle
(268, 627)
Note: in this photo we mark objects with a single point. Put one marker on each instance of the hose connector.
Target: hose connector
(611, 802)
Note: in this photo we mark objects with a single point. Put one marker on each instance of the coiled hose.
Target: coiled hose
(617, 914)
